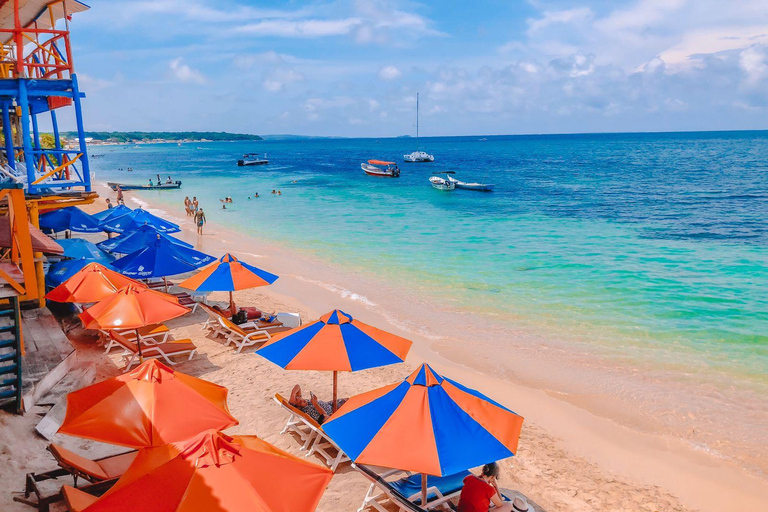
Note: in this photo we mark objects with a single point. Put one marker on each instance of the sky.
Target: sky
(354, 67)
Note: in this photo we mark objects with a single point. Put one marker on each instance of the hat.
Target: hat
(520, 505)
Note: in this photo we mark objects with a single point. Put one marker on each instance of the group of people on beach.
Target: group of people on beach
(193, 209)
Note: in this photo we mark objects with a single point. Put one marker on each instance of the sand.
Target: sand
(569, 459)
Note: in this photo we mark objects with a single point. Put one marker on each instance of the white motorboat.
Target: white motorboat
(381, 168)
(441, 183)
(252, 159)
(480, 187)
(418, 156)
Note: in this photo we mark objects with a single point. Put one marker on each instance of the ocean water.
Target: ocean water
(649, 248)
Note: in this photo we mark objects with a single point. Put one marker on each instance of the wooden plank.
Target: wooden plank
(77, 377)
(43, 384)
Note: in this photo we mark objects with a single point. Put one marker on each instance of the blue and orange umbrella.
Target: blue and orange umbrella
(229, 275)
(338, 343)
(427, 424)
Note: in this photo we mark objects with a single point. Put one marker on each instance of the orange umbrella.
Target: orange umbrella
(92, 283)
(132, 307)
(150, 406)
(217, 473)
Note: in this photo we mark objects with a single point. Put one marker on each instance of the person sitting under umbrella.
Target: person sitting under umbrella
(318, 410)
(479, 492)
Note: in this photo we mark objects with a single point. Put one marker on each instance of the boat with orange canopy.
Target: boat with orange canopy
(381, 168)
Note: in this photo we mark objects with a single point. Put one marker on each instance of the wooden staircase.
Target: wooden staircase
(10, 355)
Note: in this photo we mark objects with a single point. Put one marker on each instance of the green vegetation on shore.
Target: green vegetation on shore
(170, 136)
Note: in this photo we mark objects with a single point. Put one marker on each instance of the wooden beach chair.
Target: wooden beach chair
(104, 470)
(156, 333)
(164, 351)
(312, 434)
(403, 488)
(239, 337)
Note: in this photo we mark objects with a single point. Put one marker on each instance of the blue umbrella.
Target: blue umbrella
(137, 218)
(132, 241)
(70, 218)
(63, 270)
(117, 211)
(159, 259)
(77, 248)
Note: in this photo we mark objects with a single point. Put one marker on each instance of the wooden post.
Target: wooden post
(34, 218)
(424, 491)
(335, 389)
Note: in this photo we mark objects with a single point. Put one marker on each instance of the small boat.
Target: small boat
(480, 187)
(160, 186)
(442, 183)
(418, 156)
(252, 159)
(372, 168)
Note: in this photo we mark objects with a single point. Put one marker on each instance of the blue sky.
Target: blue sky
(353, 68)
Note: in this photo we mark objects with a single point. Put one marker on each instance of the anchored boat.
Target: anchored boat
(253, 159)
(480, 187)
(161, 186)
(374, 168)
(441, 183)
(418, 156)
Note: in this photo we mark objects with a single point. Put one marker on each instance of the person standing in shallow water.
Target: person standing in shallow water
(199, 220)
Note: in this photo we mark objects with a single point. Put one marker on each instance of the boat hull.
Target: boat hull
(163, 186)
(372, 170)
(418, 157)
(243, 163)
(441, 184)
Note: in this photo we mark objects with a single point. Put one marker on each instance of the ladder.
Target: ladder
(10, 355)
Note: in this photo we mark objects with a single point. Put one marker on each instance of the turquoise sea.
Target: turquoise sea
(647, 247)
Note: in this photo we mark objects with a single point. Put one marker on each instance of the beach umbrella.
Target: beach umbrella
(61, 271)
(91, 283)
(132, 307)
(117, 211)
(151, 405)
(338, 343)
(228, 275)
(427, 424)
(160, 259)
(78, 248)
(135, 219)
(214, 472)
(132, 241)
(69, 218)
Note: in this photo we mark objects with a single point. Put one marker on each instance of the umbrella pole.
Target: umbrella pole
(335, 389)
(232, 303)
(424, 491)
(165, 282)
(138, 344)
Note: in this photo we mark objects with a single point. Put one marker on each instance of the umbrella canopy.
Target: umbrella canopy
(63, 270)
(135, 219)
(214, 472)
(427, 424)
(69, 218)
(77, 248)
(228, 275)
(336, 342)
(152, 405)
(91, 283)
(132, 241)
(132, 307)
(117, 211)
(161, 258)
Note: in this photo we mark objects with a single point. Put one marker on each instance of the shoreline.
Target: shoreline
(697, 478)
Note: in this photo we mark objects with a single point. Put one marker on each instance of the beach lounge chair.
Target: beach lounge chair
(156, 333)
(403, 489)
(186, 299)
(235, 334)
(105, 470)
(312, 434)
(164, 351)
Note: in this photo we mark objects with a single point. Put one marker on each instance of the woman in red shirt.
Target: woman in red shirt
(480, 491)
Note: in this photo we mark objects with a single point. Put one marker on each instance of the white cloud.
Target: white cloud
(549, 18)
(184, 73)
(389, 73)
(300, 28)
(278, 79)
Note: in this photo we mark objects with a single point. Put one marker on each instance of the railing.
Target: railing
(41, 54)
